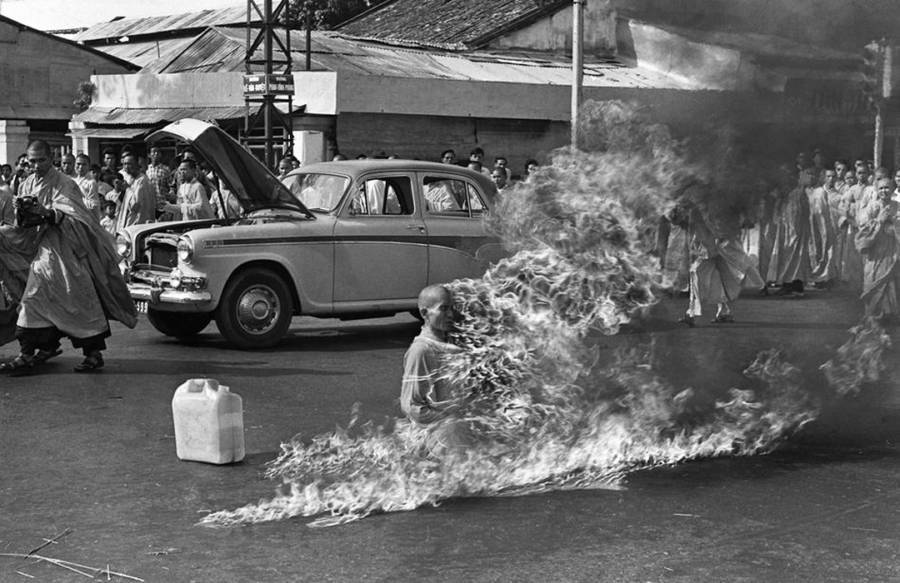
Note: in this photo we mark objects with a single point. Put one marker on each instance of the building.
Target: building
(412, 77)
(41, 78)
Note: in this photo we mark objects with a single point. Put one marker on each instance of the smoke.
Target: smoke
(536, 411)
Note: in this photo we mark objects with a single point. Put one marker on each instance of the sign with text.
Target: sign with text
(260, 84)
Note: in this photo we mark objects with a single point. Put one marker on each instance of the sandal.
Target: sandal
(91, 363)
(43, 356)
(686, 319)
(21, 365)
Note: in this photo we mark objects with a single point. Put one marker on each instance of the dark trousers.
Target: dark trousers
(32, 339)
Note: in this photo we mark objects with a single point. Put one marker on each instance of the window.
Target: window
(318, 192)
(383, 196)
(451, 197)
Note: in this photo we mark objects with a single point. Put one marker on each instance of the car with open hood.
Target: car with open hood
(354, 239)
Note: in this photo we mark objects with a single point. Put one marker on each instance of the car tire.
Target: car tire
(255, 310)
(178, 324)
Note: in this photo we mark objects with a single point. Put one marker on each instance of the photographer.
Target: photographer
(73, 282)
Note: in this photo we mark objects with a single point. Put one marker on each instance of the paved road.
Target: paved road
(96, 455)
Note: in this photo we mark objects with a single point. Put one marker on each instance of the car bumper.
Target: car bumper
(145, 296)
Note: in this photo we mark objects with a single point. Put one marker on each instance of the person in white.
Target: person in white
(134, 197)
(88, 184)
(192, 202)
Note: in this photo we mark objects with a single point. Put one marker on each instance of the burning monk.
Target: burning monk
(877, 242)
(61, 266)
(424, 394)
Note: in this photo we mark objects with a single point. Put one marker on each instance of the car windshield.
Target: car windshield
(317, 192)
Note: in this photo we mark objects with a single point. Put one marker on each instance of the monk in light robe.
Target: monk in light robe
(850, 261)
(822, 231)
(720, 268)
(790, 260)
(72, 285)
(878, 244)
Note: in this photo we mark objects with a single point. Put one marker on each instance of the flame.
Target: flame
(860, 360)
(536, 412)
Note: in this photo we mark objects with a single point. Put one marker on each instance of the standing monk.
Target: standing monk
(89, 187)
(822, 233)
(72, 283)
(877, 242)
(136, 200)
(792, 238)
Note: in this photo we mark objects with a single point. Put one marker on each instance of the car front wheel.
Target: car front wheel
(178, 324)
(255, 310)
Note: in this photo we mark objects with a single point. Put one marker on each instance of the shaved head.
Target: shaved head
(432, 295)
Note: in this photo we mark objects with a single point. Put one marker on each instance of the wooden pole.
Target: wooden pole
(879, 137)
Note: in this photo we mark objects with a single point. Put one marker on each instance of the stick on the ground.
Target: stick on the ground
(50, 541)
(72, 566)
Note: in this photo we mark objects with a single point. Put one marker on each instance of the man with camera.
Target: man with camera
(72, 283)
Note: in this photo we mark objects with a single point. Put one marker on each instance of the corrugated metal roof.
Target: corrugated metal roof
(442, 23)
(148, 116)
(144, 53)
(134, 27)
(222, 49)
(212, 51)
(117, 133)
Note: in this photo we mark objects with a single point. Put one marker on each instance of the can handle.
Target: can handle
(204, 385)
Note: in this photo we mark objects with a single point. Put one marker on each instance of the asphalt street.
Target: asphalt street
(88, 461)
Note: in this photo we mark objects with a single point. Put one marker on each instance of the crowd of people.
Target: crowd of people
(820, 226)
(500, 173)
(128, 189)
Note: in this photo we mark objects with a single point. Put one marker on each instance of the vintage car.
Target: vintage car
(351, 239)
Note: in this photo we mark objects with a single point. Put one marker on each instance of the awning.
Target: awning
(117, 133)
(156, 115)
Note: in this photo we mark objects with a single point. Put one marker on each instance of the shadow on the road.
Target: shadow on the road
(206, 367)
(324, 338)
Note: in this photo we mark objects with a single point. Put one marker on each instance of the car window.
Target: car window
(476, 202)
(383, 196)
(451, 197)
(318, 192)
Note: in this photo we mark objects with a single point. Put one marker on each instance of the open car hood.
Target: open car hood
(250, 181)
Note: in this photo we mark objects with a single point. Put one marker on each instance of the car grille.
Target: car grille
(161, 256)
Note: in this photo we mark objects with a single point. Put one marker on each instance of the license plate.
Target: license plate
(141, 306)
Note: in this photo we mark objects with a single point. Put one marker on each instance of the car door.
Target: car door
(458, 245)
(381, 251)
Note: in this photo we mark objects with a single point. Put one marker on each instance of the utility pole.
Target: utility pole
(577, 64)
(877, 87)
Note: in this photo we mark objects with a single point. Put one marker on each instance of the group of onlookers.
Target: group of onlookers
(820, 225)
(128, 189)
(501, 174)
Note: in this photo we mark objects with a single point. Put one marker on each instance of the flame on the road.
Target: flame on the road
(536, 414)
(860, 360)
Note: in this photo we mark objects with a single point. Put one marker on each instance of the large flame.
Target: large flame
(538, 413)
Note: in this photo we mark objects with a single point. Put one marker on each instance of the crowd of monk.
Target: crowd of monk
(821, 226)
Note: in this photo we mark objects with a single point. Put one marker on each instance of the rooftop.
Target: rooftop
(181, 24)
(222, 50)
(453, 25)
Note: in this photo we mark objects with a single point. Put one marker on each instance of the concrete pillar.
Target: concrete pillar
(80, 145)
(13, 139)
(309, 146)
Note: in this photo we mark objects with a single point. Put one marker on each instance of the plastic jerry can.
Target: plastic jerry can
(209, 422)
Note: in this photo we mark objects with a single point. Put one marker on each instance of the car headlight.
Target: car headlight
(185, 249)
(123, 245)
